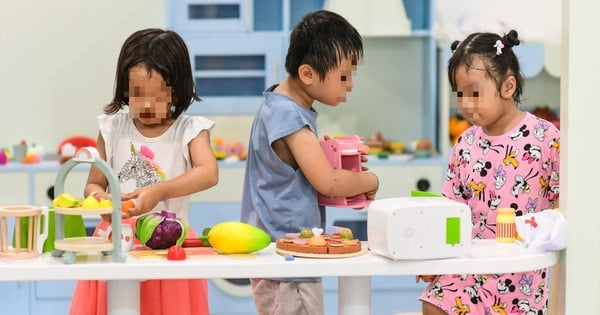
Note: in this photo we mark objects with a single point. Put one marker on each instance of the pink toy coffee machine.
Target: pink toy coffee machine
(345, 153)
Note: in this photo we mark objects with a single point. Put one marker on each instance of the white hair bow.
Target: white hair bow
(499, 45)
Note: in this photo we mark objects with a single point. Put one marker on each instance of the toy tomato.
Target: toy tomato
(176, 252)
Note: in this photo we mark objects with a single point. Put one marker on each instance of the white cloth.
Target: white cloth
(543, 231)
(170, 150)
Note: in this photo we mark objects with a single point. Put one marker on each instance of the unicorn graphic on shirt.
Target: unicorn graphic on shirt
(141, 168)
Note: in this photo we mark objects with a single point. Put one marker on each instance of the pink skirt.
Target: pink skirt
(177, 296)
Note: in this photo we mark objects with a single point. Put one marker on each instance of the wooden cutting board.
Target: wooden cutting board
(191, 252)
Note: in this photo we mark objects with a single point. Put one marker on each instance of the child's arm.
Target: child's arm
(308, 154)
(204, 174)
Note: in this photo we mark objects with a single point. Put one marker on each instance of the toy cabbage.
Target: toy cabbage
(161, 230)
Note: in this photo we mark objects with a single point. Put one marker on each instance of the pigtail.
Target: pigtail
(454, 45)
(511, 39)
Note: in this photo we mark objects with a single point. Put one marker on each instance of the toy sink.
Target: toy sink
(419, 228)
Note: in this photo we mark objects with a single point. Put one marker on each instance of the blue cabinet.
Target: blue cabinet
(14, 297)
(232, 70)
(237, 48)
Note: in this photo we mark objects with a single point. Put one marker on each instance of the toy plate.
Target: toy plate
(309, 255)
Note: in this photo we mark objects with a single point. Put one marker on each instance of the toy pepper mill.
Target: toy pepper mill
(506, 228)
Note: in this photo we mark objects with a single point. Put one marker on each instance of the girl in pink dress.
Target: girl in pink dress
(508, 158)
(160, 155)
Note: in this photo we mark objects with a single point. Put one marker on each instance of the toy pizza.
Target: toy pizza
(338, 242)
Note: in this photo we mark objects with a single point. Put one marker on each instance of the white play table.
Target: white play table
(354, 273)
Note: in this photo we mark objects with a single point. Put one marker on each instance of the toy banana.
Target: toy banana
(66, 201)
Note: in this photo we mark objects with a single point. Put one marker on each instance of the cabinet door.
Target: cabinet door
(211, 15)
(52, 297)
(232, 70)
(14, 297)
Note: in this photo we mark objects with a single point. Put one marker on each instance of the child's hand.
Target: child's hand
(425, 278)
(103, 195)
(146, 200)
(371, 194)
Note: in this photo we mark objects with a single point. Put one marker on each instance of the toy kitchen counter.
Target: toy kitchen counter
(485, 256)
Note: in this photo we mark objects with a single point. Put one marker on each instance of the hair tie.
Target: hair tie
(499, 45)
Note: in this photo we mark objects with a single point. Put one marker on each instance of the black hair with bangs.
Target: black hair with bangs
(164, 52)
(499, 62)
(322, 39)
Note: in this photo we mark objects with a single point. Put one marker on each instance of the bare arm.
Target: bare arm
(203, 175)
(307, 152)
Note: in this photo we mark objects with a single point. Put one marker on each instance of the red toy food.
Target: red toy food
(176, 252)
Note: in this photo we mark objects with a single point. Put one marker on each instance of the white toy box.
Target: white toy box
(419, 228)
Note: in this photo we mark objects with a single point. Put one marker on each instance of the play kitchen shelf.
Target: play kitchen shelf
(68, 247)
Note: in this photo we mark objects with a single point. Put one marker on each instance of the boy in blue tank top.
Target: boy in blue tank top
(286, 167)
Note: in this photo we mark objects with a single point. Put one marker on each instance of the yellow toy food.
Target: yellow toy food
(90, 203)
(66, 201)
(105, 203)
(234, 237)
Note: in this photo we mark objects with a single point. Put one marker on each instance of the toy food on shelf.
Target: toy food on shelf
(231, 150)
(3, 157)
(90, 202)
(233, 237)
(422, 148)
(68, 147)
(65, 200)
(382, 147)
(20, 151)
(336, 241)
(377, 143)
(456, 126)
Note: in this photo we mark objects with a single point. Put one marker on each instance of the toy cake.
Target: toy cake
(336, 241)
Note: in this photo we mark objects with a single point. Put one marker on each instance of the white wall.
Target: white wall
(579, 155)
(57, 61)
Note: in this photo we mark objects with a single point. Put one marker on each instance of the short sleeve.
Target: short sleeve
(193, 125)
(108, 124)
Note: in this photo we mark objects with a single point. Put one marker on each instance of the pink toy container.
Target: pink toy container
(344, 153)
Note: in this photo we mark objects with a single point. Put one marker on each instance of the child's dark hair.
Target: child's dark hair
(322, 39)
(164, 52)
(499, 62)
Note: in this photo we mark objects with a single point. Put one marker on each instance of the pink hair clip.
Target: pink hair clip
(499, 45)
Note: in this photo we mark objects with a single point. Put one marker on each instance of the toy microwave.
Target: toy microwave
(419, 228)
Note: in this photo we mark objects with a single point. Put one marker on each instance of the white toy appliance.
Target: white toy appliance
(419, 228)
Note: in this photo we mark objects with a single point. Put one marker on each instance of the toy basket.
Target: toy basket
(27, 228)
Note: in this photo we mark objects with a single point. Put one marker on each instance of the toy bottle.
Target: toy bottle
(506, 228)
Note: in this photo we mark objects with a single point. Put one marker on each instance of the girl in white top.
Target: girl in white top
(154, 80)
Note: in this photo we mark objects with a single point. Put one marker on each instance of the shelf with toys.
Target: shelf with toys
(66, 205)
